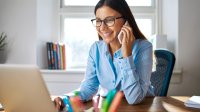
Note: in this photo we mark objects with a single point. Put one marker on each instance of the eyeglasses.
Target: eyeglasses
(109, 21)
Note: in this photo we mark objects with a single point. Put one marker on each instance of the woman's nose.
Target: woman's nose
(103, 26)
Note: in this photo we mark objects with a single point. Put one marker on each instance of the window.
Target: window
(79, 41)
(78, 33)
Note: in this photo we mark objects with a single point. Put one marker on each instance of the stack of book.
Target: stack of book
(56, 56)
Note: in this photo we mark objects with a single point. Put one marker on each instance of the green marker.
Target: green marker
(105, 106)
(76, 93)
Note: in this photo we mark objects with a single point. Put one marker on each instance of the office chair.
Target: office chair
(160, 78)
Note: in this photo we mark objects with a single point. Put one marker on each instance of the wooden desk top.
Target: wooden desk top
(155, 104)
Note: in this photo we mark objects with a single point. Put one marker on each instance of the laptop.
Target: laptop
(22, 89)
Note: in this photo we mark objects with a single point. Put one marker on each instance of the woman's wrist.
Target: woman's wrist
(127, 54)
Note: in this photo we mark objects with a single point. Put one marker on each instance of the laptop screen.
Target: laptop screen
(22, 89)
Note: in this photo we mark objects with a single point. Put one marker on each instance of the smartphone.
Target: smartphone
(120, 35)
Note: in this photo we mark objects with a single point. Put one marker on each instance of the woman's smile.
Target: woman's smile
(107, 34)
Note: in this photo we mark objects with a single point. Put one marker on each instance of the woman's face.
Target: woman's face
(109, 33)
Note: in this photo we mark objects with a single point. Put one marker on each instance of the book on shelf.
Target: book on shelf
(64, 56)
(52, 56)
(61, 57)
(56, 55)
(49, 55)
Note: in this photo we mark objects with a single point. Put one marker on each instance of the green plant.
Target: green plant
(2, 40)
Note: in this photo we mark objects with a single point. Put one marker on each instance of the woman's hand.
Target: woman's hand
(127, 41)
(59, 104)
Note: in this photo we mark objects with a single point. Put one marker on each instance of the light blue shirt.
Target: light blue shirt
(130, 75)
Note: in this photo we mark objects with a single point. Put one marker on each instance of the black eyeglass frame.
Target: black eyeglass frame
(114, 18)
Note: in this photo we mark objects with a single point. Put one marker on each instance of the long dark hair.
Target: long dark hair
(122, 7)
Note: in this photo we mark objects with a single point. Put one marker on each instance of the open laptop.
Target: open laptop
(22, 89)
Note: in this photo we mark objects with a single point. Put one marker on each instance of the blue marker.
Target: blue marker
(67, 104)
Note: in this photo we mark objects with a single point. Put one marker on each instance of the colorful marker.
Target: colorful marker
(108, 101)
(116, 101)
(67, 104)
(77, 104)
(76, 93)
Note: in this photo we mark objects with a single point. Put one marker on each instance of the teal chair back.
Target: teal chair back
(160, 78)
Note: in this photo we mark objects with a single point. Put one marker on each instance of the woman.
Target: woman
(111, 65)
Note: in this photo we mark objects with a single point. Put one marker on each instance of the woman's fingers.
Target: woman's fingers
(127, 34)
(62, 104)
(56, 102)
(124, 39)
(59, 104)
(127, 41)
(129, 31)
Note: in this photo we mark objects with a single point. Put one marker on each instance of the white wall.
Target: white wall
(18, 21)
(189, 53)
(47, 28)
(29, 24)
(181, 22)
(170, 23)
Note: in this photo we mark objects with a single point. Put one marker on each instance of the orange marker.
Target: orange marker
(76, 103)
(116, 101)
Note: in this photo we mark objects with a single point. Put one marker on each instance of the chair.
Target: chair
(160, 78)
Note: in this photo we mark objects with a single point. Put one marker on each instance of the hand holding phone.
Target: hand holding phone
(120, 35)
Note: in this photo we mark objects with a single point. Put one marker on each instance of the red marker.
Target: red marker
(76, 103)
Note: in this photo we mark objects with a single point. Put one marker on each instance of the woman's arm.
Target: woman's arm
(135, 79)
(90, 84)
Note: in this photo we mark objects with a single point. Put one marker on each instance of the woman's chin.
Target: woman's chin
(107, 40)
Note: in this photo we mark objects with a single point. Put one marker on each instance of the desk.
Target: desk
(155, 104)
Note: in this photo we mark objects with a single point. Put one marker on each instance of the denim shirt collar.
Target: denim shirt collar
(117, 54)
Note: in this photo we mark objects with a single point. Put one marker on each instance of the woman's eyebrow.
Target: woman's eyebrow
(106, 17)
